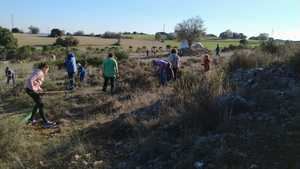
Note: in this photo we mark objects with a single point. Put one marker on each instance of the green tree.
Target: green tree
(67, 42)
(190, 30)
(16, 30)
(56, 33)
(7, 40)
(34, 30)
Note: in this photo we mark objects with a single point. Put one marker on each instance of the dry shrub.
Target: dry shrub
(294, 61)
(195, 100)
(16, 151)
(136, 76)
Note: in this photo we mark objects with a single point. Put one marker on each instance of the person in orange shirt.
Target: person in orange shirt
(206, 63)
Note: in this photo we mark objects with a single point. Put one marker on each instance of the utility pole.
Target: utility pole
(12, 21)
(164, 28)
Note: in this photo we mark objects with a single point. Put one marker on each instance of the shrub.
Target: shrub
(67, 42)
(111, 35)
(244, 42)
(16, 30)
(233, 48)
(56, 33)
(78, 33)
(294, 61)
(194, 101)
(25, 52)
(7, 39)
(240, 60)
(270, 46)
(121, 55)
(34, 30)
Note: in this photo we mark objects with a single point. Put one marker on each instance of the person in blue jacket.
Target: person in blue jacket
(81, 72)
(71, 67)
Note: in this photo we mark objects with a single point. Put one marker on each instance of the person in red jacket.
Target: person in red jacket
(206, 63)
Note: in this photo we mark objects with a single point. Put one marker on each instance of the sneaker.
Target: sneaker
(32, 122)
(49, 124)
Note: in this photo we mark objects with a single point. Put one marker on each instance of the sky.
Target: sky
(279, 18)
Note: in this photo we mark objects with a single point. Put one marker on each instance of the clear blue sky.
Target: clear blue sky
(248, 16)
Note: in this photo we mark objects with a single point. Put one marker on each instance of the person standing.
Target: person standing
(218, 50)
(110, 72)
(71, 67)
(34, 90)
(10, 75)
(174, 59)
(206, 63)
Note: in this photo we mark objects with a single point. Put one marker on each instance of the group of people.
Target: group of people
(166, 70)
(34, 82)
(169, 69)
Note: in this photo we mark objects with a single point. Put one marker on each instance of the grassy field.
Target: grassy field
(84, 42)
(137, 41)
(211, 44)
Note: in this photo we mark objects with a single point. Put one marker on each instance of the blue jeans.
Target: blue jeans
(71, 84)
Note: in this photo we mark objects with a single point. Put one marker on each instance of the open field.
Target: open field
(36, 40)
(138, 41)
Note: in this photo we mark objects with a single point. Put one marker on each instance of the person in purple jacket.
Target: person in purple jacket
(164, 69)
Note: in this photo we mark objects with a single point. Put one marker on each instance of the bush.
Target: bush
(78, 33)
(111, 35)
(7, 39)
(34, 30)
(67, 42)
(294, 61)
(121, 55)
(243, 42)
(241, 60)
(16, 30)
(194, 101)
(56, 33)
(233, 48)
(25, 52)
(270, 46)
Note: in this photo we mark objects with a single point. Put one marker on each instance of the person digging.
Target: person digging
(34, 90)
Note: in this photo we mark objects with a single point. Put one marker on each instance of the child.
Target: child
(81, 72)
(10, 75)
(71, 66)
(206, 63)
(33, 89)
(174, 59)
(164, 69)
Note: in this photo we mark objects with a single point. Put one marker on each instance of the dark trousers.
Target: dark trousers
(112, 83)
(71, 84)
(9, 79)
(39, 105)
(163, 77)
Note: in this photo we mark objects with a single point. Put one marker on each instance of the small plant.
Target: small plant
(121, 55)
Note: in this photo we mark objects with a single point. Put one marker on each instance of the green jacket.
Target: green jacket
(110, 67)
